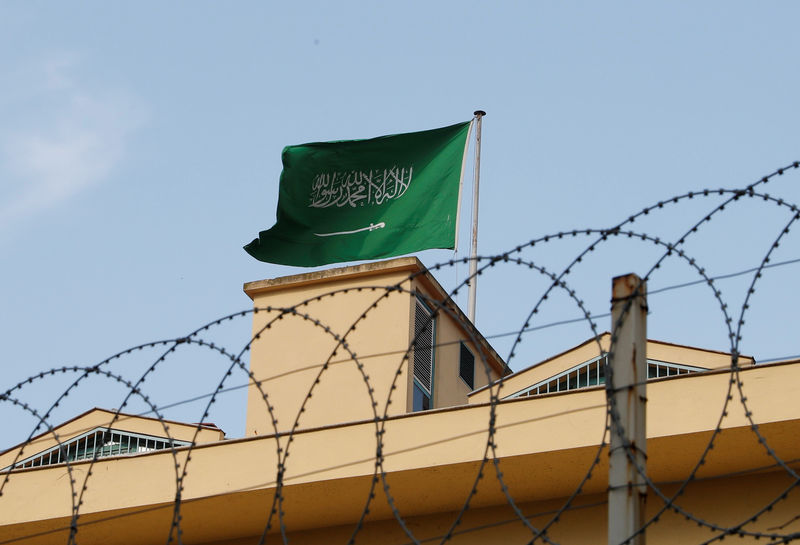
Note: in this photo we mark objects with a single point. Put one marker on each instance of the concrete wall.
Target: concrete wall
(292, 354)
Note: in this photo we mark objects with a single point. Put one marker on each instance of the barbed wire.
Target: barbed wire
(383, 395)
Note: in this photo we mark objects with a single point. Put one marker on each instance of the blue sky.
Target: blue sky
(140, 149)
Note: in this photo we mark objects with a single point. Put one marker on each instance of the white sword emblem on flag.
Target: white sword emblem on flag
(372, 227)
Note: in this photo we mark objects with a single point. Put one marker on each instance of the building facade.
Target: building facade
(410, 428)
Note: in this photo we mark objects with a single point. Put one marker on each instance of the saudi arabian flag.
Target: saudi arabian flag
(365, 199)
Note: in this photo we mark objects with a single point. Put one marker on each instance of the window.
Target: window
(422, 400)
(593, 373)
(466, 366)
(100, 442)
(424, 336)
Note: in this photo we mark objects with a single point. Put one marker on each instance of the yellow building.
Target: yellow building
(410, 428)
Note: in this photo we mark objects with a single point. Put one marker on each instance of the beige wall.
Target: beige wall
(724, 503)
(288, 356)
(450, 389)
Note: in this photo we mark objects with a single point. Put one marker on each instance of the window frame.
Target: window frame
(597, 364)
(416, 383)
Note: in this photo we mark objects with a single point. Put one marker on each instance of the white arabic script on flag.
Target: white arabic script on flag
(359, 188)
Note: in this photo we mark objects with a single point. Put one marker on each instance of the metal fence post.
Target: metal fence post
(627, 372)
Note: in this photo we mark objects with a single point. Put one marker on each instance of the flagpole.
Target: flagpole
(473, 263)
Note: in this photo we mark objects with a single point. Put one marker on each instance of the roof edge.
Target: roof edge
(372, 268)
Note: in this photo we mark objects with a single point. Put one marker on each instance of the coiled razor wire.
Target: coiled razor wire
(274, 514)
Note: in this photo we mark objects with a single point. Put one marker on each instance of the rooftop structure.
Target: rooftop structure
(309, 330)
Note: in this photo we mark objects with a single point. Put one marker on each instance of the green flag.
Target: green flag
(365, 199)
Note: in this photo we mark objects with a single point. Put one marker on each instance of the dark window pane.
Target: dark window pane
(466, 366)
(572, 381)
